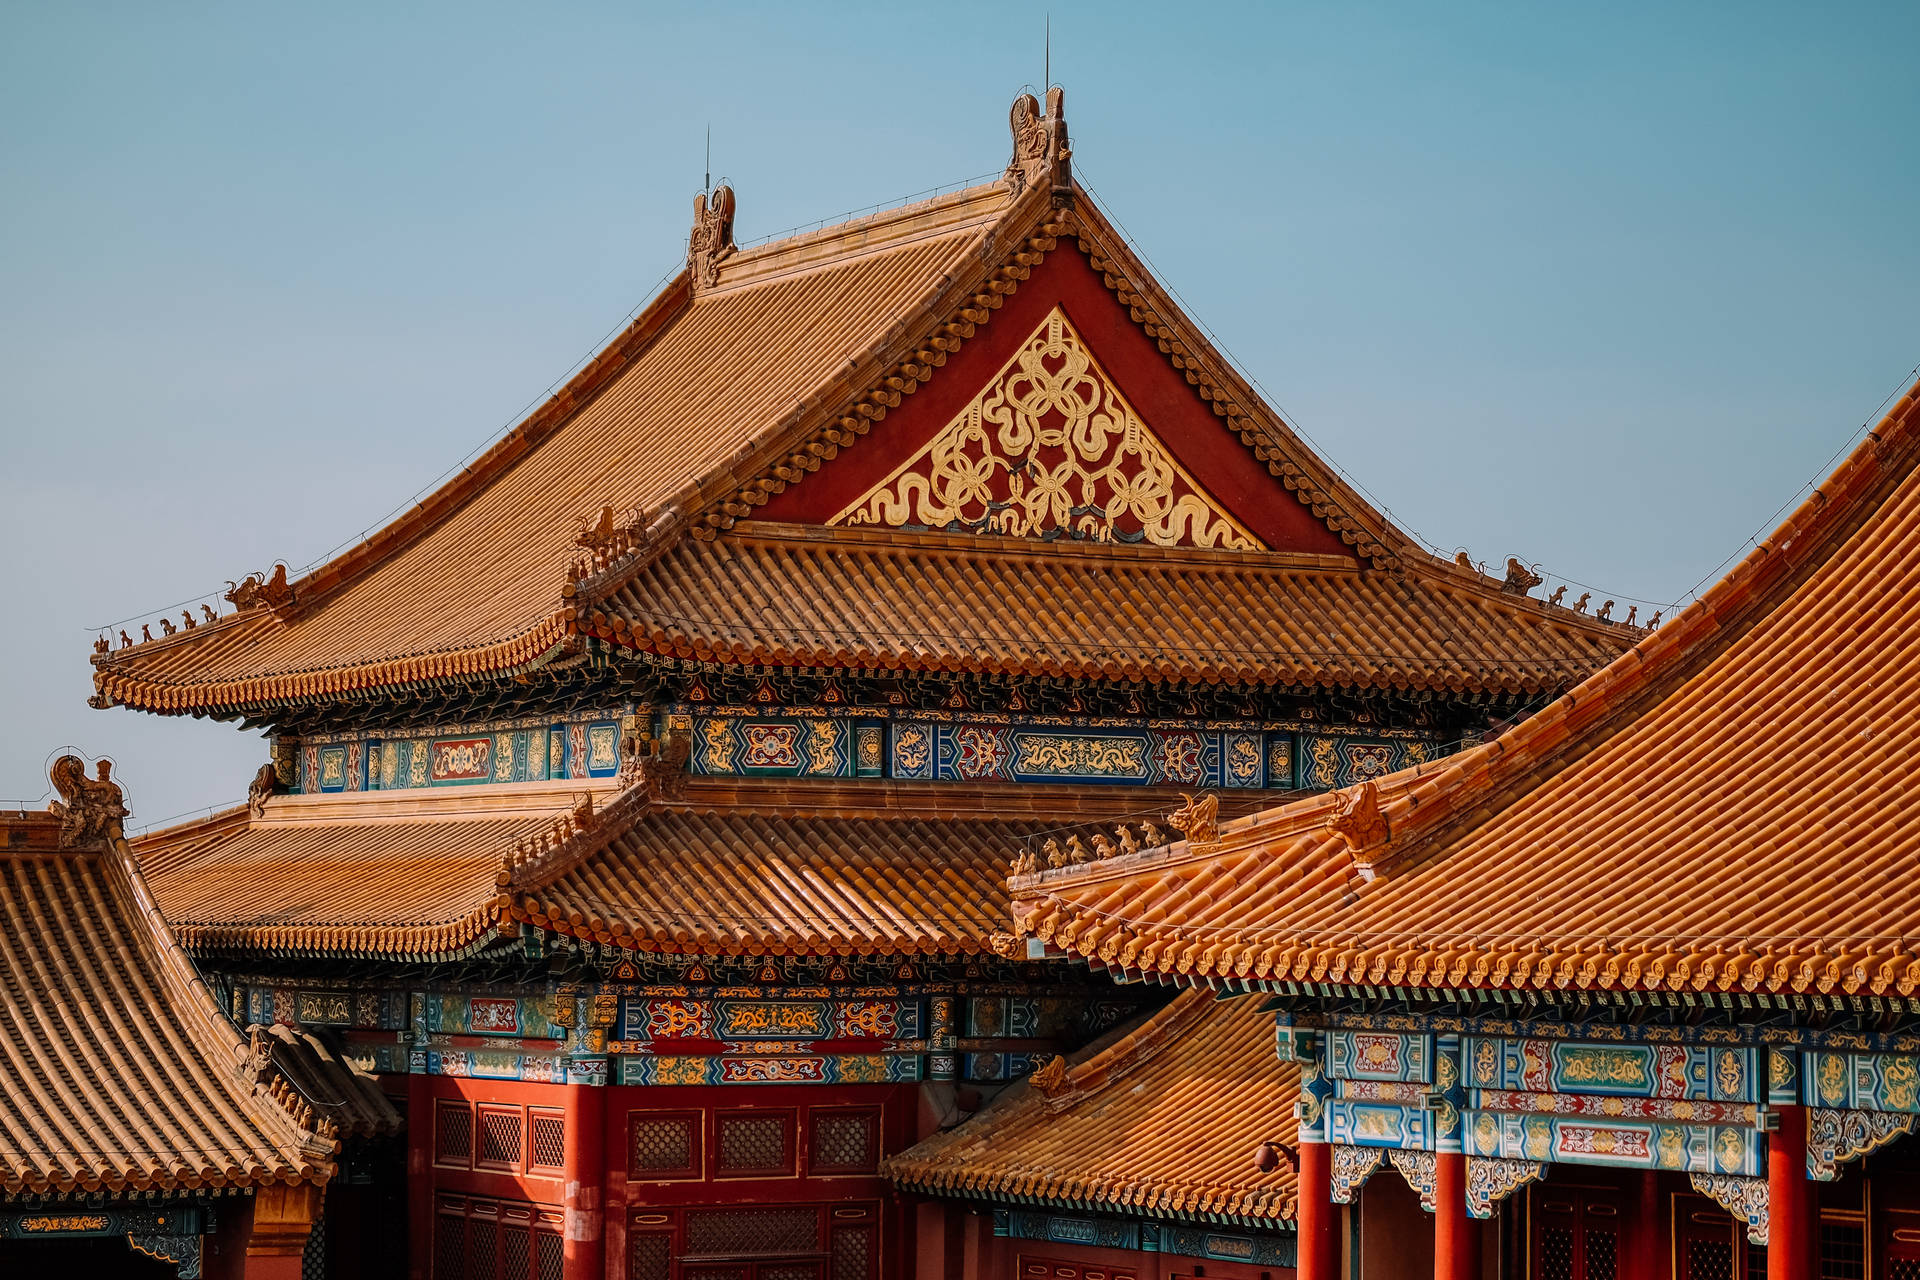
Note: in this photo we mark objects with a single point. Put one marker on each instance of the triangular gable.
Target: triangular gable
(1060, 418)
(1050, 447)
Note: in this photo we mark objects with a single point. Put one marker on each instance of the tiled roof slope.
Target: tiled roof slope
(117, 1072)
(869, 868)
(472, 582)
(807, 596)
(1161, 1122)
(1728, 806)
(713, 401)
(370, 876)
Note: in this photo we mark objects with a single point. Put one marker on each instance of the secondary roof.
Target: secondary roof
(1728, 806)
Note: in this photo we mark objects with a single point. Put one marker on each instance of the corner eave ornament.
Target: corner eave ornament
(1040, 151)
(712, 238)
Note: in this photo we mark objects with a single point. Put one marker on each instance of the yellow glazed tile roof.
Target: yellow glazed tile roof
(1162, 1121)
(1727, 806)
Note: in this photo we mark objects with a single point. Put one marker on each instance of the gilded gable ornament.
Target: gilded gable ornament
(1050, 449)
(712, 238)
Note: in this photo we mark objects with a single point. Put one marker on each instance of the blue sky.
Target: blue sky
(1599, 286)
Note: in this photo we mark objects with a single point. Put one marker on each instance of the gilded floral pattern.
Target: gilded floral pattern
(1050, 446)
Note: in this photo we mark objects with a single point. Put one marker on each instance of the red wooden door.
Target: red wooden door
(1573, 1233)
(1709, 1245)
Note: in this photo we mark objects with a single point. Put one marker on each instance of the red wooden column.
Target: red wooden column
(1643, 1229)
(1793, 1214)
(419, 1173)
(1456, 1237)
(586, 1171)
(1319, 1255)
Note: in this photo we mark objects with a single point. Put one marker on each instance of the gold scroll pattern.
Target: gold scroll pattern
(1050, 445)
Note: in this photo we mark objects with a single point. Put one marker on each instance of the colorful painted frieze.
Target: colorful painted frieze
(462, 756)
(928, 750)
(1863, 1081)
(363, 1010)
(1379, 1055)
(1375, 1124)
(529, 1017)
(497, 1064)
(1326, 761)
(652, 1019)
(660, 1069)
(779, 747)
(1691, 1148)
(1727, 1073)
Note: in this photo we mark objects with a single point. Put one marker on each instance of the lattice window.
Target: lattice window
(715, 1273)
(453, 1133)
(499, 1137)
(549, 1140)
(515, 1251)
(1903, 1269)
(755, 1143)
(734, 1231)
(1709, 1260)
(1843, 1251)
(1556, 1254)
(1756, 1262)
(852, 1253)
(662, 1146)
(1603, 1254)
(450, 1244)
(649, 1256)
(846, 1141)
(483, 1250)
(549, 1255)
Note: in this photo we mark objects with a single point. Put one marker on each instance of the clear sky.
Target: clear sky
(1601, 286)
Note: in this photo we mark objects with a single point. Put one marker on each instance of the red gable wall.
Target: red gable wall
(1186, 425)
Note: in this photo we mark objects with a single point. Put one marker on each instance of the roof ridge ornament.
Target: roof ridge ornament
(712, 238)
(1358, 820)
(89, 809)
(1040, 149)
(257, 589)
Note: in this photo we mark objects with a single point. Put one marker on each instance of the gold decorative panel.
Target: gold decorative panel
(1050, 447)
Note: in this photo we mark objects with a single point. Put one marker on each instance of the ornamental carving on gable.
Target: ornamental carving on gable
(1050, 449)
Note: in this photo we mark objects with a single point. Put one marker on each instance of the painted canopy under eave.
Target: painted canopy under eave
(1728, 806)
(1162, 1121)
